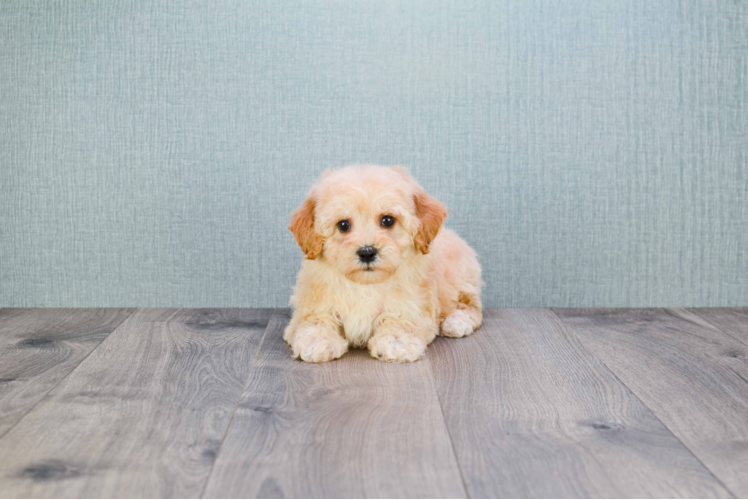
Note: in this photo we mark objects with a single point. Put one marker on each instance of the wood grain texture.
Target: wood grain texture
(355, 427)
(693, 376)
(733, 321)
(40, 347)
(144, 415)
(533, 414)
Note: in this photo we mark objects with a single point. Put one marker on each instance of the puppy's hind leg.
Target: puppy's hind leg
(465, 319)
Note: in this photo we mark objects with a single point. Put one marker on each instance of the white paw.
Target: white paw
(457, 325)
(397, 347)
(316, 346)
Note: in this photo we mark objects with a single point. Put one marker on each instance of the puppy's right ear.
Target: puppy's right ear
(302, 227)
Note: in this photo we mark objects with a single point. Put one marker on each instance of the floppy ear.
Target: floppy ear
(302, 227)
(431, 213)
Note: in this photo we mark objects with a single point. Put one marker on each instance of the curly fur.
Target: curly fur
(425, 281)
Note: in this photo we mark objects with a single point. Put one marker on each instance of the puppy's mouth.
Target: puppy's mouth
(368, 272)
(368, 268)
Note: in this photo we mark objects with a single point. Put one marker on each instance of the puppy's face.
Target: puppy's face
(367, 221)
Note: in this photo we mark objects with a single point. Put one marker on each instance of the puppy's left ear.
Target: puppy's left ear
(302, 227)
(431, 213)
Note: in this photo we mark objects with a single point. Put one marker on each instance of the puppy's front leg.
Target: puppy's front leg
(316, 340)
(401, 341)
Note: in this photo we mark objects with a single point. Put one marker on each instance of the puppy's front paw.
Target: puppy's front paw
(397, 347)
(457, 324)
(316, 345)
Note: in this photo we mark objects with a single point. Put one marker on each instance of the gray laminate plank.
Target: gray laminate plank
(690, 374)
(354, 427)
(40, 347)
(533, 414)
(143, 415)
(733, 321)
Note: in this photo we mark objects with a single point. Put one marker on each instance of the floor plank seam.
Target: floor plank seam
(738, 339)
(41, 400)
(236, 406)
(584, 346)
(449, 432)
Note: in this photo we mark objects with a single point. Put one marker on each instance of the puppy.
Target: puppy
(379, 272)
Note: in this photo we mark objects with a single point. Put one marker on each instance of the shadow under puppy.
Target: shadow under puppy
(378, 271)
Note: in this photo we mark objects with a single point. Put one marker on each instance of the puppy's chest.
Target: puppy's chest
(359, 314)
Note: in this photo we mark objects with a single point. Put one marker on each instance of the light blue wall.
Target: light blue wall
(595, 153)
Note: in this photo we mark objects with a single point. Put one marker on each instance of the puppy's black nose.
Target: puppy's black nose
(367, 254)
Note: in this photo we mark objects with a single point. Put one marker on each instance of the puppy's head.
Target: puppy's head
(366, 221)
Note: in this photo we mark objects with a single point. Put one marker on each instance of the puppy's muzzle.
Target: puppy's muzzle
(367, 254)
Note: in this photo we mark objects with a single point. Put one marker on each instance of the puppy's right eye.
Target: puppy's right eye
(344, 226)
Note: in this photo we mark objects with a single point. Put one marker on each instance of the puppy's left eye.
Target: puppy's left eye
(388, 221)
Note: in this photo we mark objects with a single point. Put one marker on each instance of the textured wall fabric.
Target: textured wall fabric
(595, 153)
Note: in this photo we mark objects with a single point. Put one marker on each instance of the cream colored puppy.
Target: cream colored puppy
(378, 271)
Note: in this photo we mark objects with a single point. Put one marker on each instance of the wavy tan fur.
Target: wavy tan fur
(426, 280)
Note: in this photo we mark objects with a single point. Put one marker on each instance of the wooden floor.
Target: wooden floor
(537, 403)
